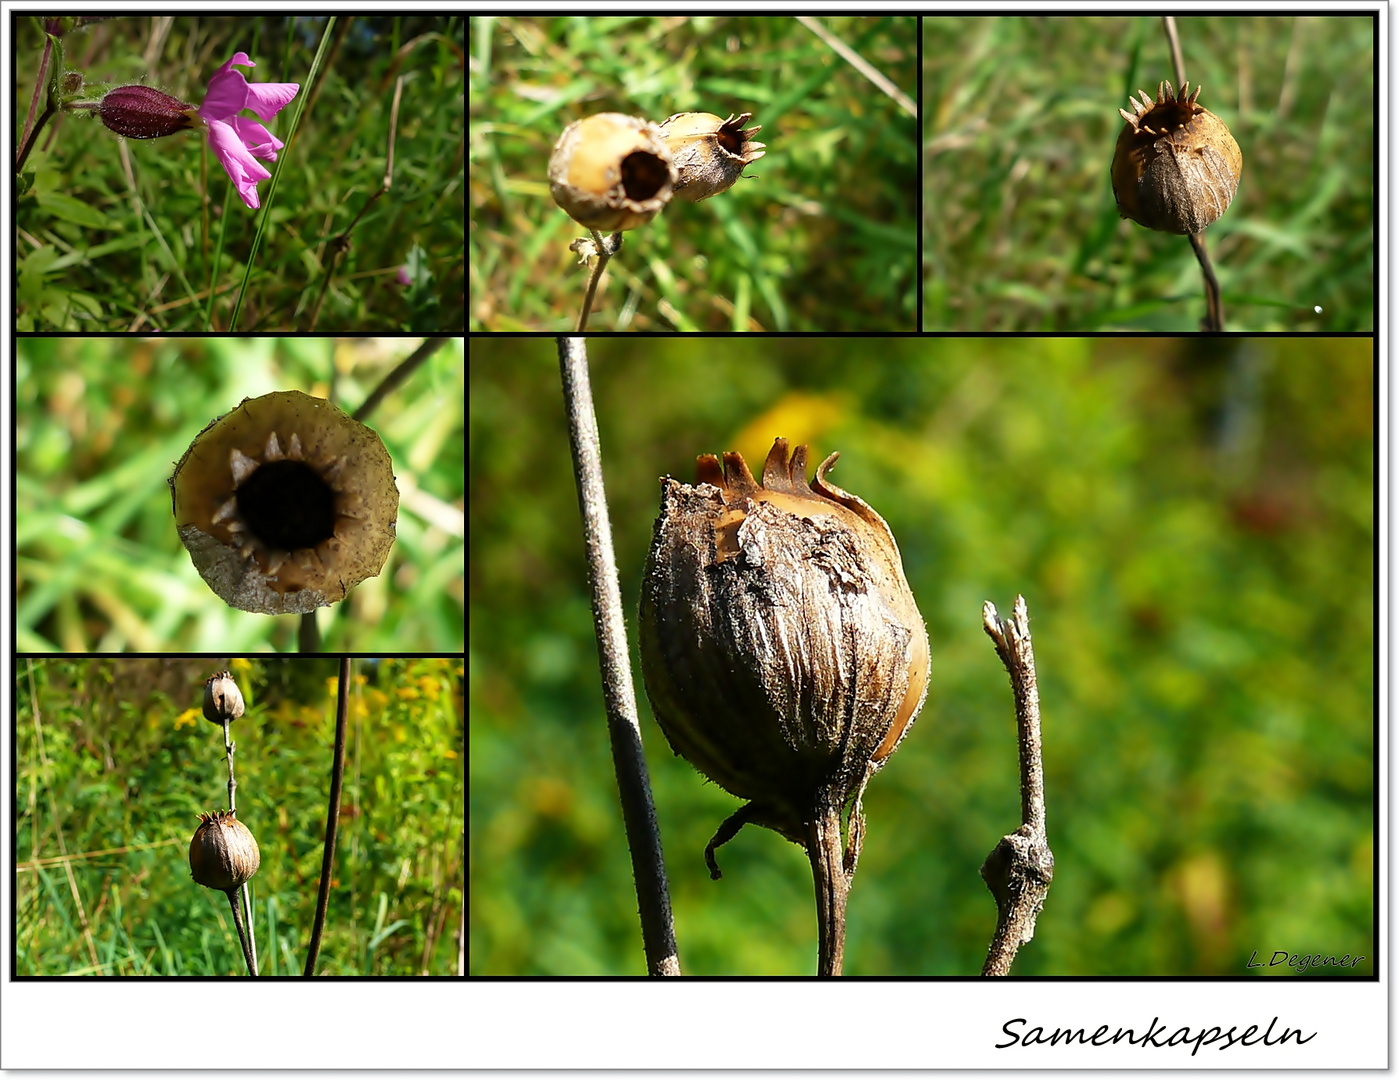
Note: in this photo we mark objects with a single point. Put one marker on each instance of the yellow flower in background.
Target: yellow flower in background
(189, 716)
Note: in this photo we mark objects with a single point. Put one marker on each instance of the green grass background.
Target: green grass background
(824, 239)
(100, 424)
(1020, 121)
(126, 235)
(115, 762)
(1192, 524)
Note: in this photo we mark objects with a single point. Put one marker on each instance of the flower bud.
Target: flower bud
(611, 172)
(1176, 167)
(222, 698)
(782, 650)
(222, 853)
(143, 112)
(710, 154)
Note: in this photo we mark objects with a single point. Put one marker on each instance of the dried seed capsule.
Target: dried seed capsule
(143, 112)
(611, 172)
(222, 852)
(1176, 167)
(782, 650)
(710, 154)
(285, 504)
(222, 698)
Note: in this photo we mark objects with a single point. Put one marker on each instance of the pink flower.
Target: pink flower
(403, 277)
(238, 142)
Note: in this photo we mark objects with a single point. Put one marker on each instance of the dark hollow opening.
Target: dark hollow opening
(643, 174)
(287, 505)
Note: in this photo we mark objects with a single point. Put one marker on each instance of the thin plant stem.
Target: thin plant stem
(605, 250)
(1214, 313)
(233, 809)
(238, 922)
(823, 848)
(397, 376)
(277, 175)
(1020, 868)
(332, 817)
(614, 659)
(1168, 22)
(340, 246)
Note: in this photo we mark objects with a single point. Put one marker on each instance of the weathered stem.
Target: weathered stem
(619, 696)
(238, 922)
(232, 807)
(605, 250)
(332, 815)
(826, 852)
(1020, 868)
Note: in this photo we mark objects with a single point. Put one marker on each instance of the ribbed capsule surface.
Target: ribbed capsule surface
(710, 154)
(611, 172)
(1176, 167)
(222, 852)
(782, 650)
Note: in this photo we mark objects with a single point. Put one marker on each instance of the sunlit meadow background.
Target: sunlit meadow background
(100, 424)
(1020, 120)
(824, 237)
(114, 763)
(1191, 520)
(120, 235)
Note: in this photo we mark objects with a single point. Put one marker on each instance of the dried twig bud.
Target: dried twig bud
(710, 154)
(611, 172)
(222, 853)
(285, 504)
(1176, 167)
(781, 646)
(222, 698)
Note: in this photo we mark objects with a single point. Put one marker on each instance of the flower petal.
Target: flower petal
(259, 141)
(228, 93)
(267, 99)
(241, 166)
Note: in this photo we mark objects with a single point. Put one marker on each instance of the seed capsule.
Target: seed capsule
(611, 172)
(222, 698)
(782, 650)
(710, 154)
(1176, 167)
(285, 504)
(222, 853)
(143, 112)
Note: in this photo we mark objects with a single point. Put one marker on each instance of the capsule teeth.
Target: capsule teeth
(294, 447)
(227, 510)
(275, 561)
(1164, 93)
(242, 465)
(274, 449)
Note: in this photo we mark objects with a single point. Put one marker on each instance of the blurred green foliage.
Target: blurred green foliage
(120, 235)
(115, 762)
(99, 426)
(823, 239)
(1020, 122)
(1192, 523)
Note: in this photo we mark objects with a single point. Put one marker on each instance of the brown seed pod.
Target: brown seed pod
(143, 112)
(782, 650)
(222, 698)
(285, 504)
(611, 172)
(710, 154)
(1176, 167)
(222, 852)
